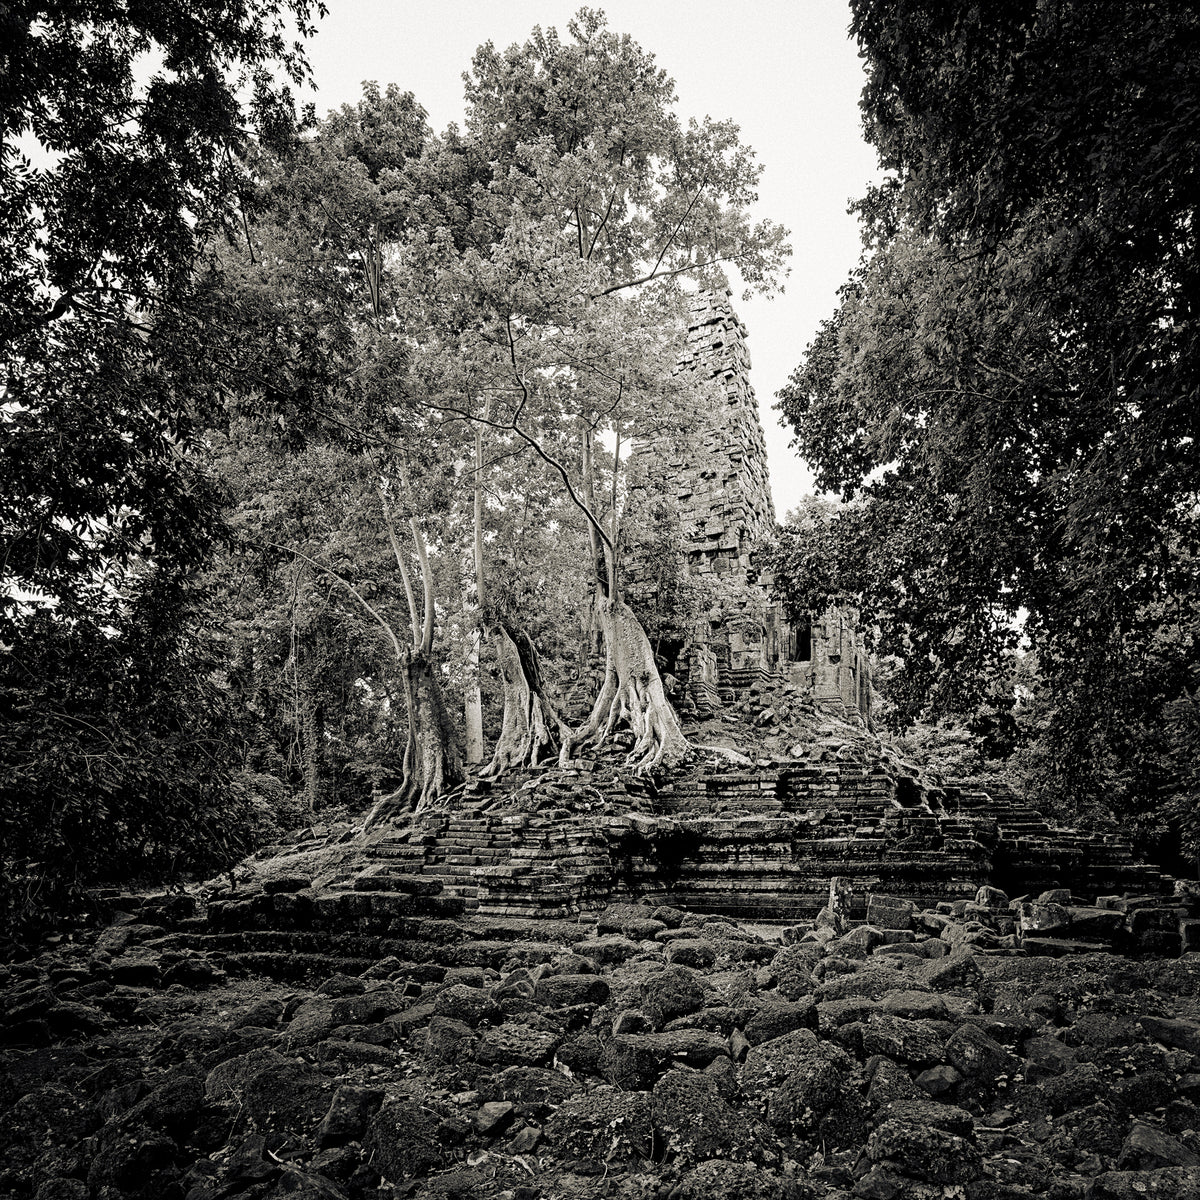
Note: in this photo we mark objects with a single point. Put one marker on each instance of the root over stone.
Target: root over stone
(532, 729)
(632, 692)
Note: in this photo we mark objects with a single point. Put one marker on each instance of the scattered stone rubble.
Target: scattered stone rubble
(943, 1051)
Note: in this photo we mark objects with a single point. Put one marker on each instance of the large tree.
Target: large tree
(1011, 378)
(565, 271)
(504, 294)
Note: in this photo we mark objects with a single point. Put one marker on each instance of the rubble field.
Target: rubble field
(642, 1051)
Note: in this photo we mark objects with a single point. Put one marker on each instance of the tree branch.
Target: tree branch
(552, 462)
(629, 283)
(604, 221)
(349, 587)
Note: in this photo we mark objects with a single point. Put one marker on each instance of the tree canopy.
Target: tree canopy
(122, 134)
(1009, 383)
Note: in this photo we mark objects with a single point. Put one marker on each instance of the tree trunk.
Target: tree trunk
(432, 756)
(632, 692)
(532, 728)
(473, 611)
(473, 705)
(314, 749)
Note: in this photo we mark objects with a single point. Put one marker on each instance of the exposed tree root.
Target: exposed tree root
(532, 729)
(632, 692)
(432, 757)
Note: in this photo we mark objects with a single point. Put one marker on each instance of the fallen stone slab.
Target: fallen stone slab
(1172, 1183)
(1182, 1034)
(1148, 1148)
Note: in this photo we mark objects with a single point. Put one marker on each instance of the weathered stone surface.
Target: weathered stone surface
(980, 1058)
(366, 1008)
(563, 990)
(42, 1118)
(919, 1043)
(774, 1020)
(692, 952)
(694, 1123)
(925, 1153)
(1183, 1034)
(915, 1005)
(793, 969)
(605, 1124)
(607, 950)
(870, 983)
(348, 1115)
(137, 968)
(672, 993)
(228, 1079)
(939, 1081)
(262, 1013)
(1172, 1183)
(470, 1005)
(1147, 1149)
(173, 1106)
(513, 1044)
(959, 970)
(804, 1087)
(356, 1053)
(739, 1181)
(139, 1164)
(889, 1083)
(402, 1140)
(534, 1090)
(631, 1020)
(286, 883)
(287, 1097)
(492, 1119)
(889, 912)
(448, 1041)
(1076, 1088)
(632, 1063)
(832, 1014)
(696, 1047)
(311, 1021)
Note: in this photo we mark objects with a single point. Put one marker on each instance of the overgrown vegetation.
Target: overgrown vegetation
(1008, 392)
(352, 383)
(316, 434)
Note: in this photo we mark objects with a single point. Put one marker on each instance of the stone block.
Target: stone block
(1044, 917)
(890, 912)
(286, 883)
(390, 904)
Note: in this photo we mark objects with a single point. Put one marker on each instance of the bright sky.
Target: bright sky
(784, 70)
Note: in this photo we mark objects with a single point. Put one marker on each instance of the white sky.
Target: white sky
(784, 70)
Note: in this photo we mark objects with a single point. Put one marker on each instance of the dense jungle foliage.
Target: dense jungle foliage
(1008, 396)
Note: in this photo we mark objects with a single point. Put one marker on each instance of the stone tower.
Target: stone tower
(715, 476)
(721, 483)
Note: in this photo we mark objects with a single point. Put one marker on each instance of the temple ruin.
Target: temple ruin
(824, 798)
(715, 476)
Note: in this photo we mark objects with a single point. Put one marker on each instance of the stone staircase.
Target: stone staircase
(1031, 855)
(758, 842)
